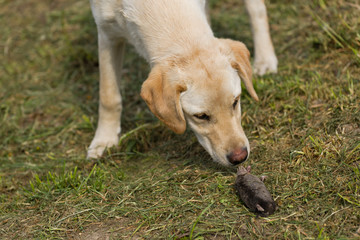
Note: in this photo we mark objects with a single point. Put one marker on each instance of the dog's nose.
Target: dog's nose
(238, 156)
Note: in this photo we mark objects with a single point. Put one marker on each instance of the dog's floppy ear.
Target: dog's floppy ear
(163, 98)
(242, 64)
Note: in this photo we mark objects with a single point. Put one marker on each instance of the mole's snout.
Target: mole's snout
(238, 156)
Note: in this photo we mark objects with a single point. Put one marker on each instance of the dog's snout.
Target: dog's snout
(238, 156)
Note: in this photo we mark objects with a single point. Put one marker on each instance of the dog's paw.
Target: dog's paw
(265, 64)
(101, 142)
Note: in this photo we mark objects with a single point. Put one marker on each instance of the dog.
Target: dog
(194, 78)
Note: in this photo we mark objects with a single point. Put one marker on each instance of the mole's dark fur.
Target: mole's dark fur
(254, 193)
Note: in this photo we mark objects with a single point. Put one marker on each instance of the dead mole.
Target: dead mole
(253, 192)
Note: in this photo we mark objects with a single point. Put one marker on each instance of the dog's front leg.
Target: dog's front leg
(110, 106)
(265, 58)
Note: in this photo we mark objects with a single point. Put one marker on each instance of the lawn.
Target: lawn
(304, 133)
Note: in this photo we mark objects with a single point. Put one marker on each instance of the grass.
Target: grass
(304, 133)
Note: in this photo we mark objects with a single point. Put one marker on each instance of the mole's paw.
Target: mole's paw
(262, 178)
(259, 208)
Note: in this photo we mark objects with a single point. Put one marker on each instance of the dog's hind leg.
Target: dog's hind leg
(110, 62)
(265, 58)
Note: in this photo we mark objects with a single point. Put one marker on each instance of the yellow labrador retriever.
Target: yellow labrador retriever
(194, 78)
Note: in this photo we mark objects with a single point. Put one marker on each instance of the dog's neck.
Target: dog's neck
(186, 27)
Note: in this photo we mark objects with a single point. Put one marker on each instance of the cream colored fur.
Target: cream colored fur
(193, 75)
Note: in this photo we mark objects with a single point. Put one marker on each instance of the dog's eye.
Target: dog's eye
(202, 116)
(235, 103)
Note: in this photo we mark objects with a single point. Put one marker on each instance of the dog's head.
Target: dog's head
(203, 89)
